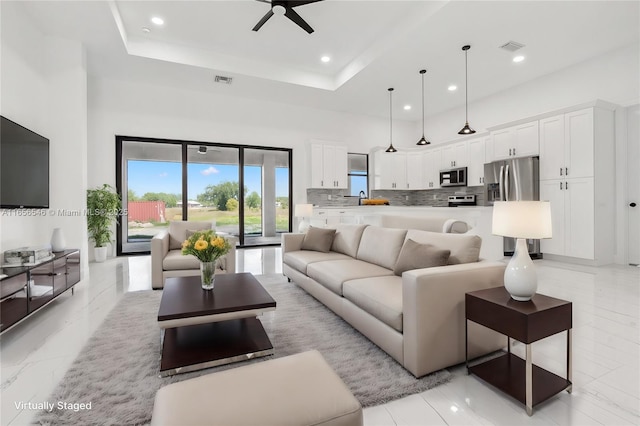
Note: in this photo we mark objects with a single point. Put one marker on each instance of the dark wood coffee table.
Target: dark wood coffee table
(203, 329)
(527, 322)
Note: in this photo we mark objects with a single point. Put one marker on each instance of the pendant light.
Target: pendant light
(391, 148)
(466, 130)
(422, 140)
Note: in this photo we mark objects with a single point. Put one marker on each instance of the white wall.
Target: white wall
(43, 86)
(131, 109)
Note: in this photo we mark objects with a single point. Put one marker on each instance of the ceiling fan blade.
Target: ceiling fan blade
(264, 1)
(297, 19)
(264, 19)
(294, 3)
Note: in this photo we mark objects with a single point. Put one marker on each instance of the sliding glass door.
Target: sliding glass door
(244, 190)
(266, 200)
(152, 178)
(213, 173)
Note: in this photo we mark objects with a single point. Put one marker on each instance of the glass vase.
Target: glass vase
(208, 274)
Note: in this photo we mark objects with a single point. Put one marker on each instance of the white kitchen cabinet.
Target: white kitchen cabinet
(572, 217)
(331, 217)
(415, 168)
(328, 165)
(488, 149)
(475, 166)
(576, 168)
(390, 170)
(432, 161)
(516, 141)
(454, 155)
(567, 145)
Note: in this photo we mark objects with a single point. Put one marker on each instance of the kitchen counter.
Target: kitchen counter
(478, 218)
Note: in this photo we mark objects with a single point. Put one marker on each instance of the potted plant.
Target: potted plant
(103, 208)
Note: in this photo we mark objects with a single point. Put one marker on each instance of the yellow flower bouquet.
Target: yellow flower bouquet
(207, 247)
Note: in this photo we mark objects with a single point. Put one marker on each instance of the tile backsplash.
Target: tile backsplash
(431, 197)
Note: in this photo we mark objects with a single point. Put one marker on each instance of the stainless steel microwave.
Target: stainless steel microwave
(453, 177)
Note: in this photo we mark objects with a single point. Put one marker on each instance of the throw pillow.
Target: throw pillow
(318, 239)
(415, 256)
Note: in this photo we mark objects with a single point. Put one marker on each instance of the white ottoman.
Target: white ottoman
(300, 389)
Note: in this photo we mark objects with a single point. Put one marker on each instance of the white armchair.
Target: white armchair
(167, 259)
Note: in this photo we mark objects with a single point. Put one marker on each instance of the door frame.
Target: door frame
(120, 139)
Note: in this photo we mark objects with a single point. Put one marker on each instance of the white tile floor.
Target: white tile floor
(35, 354)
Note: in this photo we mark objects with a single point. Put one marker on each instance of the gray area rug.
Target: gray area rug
(117, 370)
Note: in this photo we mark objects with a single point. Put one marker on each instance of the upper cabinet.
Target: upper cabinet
(390, 170)
(329, 165)
(475, 166)
(415, 168)
(516, 141)
(567, 145)
(431, 163)
(454, 155)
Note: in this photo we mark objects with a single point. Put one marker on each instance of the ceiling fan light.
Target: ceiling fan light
(279, 9)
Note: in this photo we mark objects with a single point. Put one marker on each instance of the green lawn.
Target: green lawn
(252, 217)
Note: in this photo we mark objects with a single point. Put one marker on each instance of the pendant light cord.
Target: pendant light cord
(466, 89)
(390, 118)
(422, 104)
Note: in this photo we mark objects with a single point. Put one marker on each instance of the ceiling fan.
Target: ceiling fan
(285, 7)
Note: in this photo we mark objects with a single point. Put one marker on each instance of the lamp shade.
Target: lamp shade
(522, 219)
(303, 210)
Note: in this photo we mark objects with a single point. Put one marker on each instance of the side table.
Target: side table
(526, 322)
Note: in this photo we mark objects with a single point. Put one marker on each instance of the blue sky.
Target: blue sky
(164, 176)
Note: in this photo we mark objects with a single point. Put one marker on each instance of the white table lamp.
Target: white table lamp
(521, 220)
(304, 212)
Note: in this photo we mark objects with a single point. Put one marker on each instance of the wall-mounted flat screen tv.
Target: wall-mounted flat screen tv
(24, 172)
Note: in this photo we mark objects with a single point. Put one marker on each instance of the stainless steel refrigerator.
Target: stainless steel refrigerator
(514, 180)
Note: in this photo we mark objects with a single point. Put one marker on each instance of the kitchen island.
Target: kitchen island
(477, 217)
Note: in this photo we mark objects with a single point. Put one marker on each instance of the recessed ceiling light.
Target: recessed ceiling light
(452, 88)
(146, 30)
(157, 20)
(407, 107)
(518, 58)
(325, 59)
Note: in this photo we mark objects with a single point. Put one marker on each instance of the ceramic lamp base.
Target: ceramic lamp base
(303, 227)
(520, 278)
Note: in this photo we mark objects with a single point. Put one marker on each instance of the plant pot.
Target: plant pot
(100, 253)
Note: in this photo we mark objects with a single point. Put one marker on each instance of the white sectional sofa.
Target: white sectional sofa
(418, 317)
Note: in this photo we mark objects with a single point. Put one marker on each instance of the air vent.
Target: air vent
(512, 46)
(223, 79)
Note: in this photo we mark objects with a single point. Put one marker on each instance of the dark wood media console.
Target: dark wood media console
(26, 289)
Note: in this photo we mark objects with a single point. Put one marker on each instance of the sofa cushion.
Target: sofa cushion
(379, 296)
(332, 273)
(464, 248)
(299, 260)
(415, 256)
(175, 261)
(347, 239)
(381, 245)
(178, 231)
(318, 239)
